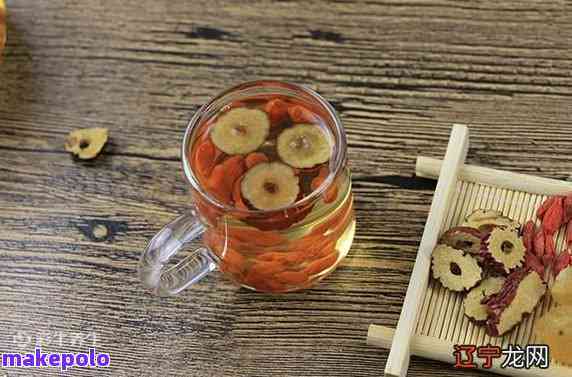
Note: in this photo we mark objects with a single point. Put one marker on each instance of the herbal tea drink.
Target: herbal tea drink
(271, 192)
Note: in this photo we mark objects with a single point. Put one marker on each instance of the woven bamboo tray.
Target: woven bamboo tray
(432, 320)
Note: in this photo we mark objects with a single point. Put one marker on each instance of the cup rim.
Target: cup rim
(339, 156)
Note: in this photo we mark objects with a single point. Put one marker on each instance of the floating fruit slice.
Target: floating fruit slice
(507, 248)
(454, 269)
(270, 186)
(474, 307)
(463, 238)
(86, 143)
(486, 220)
(562, 289)
(240, 130)
(519, 295)
(555, 330)
(304, 146)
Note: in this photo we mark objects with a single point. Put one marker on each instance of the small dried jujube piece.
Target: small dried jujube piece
(304, 146)
(86, 143)
(519, 295)
(240, 130)
(463, 238)
(506, 247)
(455, 270)
(486, 220)
(270, 186)
(473, 303)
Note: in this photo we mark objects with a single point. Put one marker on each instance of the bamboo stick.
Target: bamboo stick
(398, 361)
(428, 167)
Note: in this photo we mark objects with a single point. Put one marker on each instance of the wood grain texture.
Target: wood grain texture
(399, 73)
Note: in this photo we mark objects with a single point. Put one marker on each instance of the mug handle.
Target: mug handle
(168, 242)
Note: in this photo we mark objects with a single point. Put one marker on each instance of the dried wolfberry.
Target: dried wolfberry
(331, 192)
(561, 262)
(223, 176)
(237, 195)
(539, 243)
(549, 250)
(299, 114)
(256, 237)
(254, 159)
(277, 110)
(569, 234)
(265, 270)
(544, 207)
(554, 217)
(528, 231)
(292, 277)
(205, 158)
(321, 264)
(567, 208)
(533, 262)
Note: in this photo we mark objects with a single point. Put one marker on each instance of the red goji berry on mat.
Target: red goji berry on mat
(528, 232)
(539, 243)
(554, 217)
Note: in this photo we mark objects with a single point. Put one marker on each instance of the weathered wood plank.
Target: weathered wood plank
(399, 73)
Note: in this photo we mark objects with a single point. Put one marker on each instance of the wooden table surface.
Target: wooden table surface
(399, 73)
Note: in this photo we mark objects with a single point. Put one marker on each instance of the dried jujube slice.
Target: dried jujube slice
(506, 247)
(555, 330)
(455, 270)
(463, 238)
(519, 295)
(562, 289)
(304, 146)
(86, 143)
(486, 220)
(473, 303)
(270, 186)
(241, 130)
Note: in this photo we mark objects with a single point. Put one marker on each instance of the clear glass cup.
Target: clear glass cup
(277, 250)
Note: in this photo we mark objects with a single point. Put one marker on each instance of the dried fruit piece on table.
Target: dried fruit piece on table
(562, 288)
(507, 248)
(277, 110)
(463, 238)
(519, 295)
(2, 26)
(554, 217)
(555, 330)
(486, 220)
(299, 114)
(455, 270)
(544, 207)
(528, 233)
(254, 159)
(561, 262)
(270, 186)
(473, 303)
(86, 143)
(304, 146)
(240, 130)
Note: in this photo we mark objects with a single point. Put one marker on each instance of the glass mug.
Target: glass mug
(272, 201)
